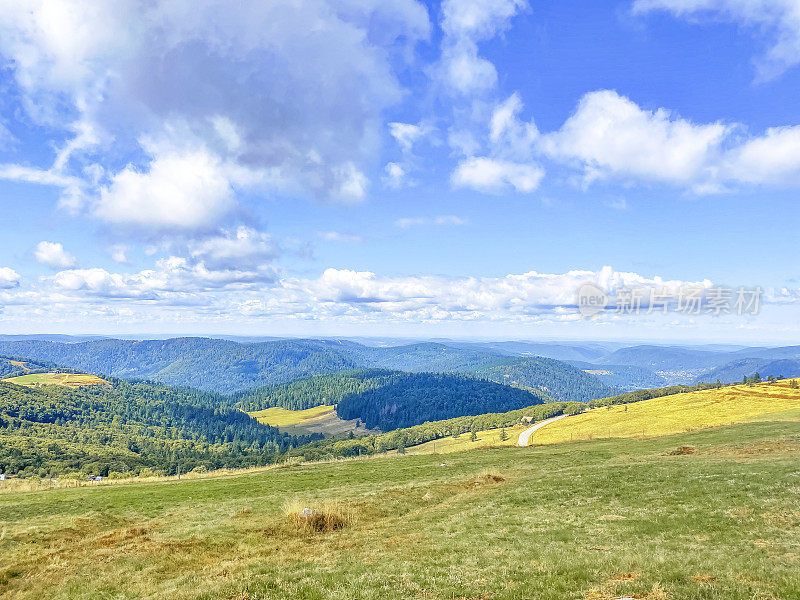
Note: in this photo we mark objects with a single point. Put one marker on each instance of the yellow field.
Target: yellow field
(65, 379)
(678, 413)
(319, 419)
(490, 437)
(282, 417)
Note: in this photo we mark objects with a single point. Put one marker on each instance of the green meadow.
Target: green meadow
(702, 515)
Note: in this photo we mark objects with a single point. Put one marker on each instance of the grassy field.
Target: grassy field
(319, 419)
(65, 379)
(587, 520)
(678, 413)
(489, 437)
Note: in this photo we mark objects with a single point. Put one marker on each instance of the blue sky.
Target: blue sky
(397, 168)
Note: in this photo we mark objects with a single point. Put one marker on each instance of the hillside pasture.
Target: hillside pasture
(72, 380)
(599, 520)
(319, 419)
(678, 413)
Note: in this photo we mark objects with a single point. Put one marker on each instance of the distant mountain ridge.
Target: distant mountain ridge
(228, 367)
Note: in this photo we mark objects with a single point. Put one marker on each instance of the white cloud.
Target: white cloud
(609, 134)
(351, 184)
(772, 159)
(243, 247)
(53, 255)
(119, 253)
(395, 175)
(337, 236)
(778, 19)
(507, 134)
(407, 134)
(9, 278)
(441, 220)
(279, 99)
(178, 191)
(465, 23)
(491, 175)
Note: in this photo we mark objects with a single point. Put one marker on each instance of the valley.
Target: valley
(120, 487)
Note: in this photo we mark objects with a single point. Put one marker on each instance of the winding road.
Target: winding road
(525, 435)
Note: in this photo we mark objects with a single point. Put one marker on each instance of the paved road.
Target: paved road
(525, 435)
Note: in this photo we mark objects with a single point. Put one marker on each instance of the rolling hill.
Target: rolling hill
(747, 367)
(227, 367)
(678, 413)
(125, 427)
(387, 400)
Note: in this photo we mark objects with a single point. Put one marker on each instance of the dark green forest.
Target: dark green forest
(391, 399)
(125, 427)
(557, 379)
(406, 399)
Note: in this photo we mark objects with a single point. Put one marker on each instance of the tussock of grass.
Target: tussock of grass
(321, 517)
(486, 477)
(683, 450)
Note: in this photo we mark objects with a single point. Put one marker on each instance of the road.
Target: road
(525, 435)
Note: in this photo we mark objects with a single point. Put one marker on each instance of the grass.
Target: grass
(65, 379)
(319, 419)
(678, 413)
(487, 438)
(589, 520)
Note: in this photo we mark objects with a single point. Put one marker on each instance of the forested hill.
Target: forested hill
(391, 399)
(11, 367)
(312, 391)
(406, 399)
(127, 426)
(227, 367)
(557, 379)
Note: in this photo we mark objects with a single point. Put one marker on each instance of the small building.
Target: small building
(527, 420)
(2, 476)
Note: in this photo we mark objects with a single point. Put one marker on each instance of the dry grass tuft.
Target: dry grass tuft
(487, 477)
(684, 450)
(322, 517)
(703, 578)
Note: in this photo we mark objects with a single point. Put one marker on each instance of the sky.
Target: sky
(444, 169)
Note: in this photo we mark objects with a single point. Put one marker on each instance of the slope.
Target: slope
(677, 413)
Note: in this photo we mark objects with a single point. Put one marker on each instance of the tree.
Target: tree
(503, 435)
(473, 436)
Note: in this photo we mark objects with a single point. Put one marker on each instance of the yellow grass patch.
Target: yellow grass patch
(319, 419)
(487, 438)
(66, 379)
(282, 417)
(676, 414)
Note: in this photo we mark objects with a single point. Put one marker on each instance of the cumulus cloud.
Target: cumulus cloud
(776, 19)
(464, 24)
(53, 255)
(409, 222)
(242, 247)
(395, 175)
(177, 191)
(407, 134)
(610, 134)
(494, 175)
(772, 159)
(9, 278)
(277, 99)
